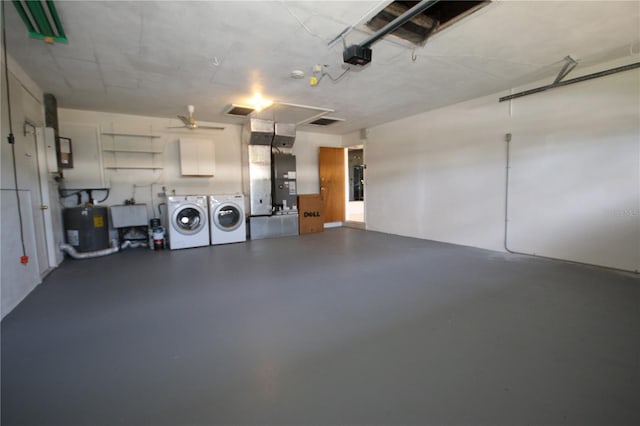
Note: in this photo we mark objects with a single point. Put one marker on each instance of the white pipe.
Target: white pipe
(133, 244)
(71, 251)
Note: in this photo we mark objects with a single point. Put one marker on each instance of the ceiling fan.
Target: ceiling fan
(190, 122)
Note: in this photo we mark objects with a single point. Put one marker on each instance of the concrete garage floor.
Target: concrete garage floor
(344, 327)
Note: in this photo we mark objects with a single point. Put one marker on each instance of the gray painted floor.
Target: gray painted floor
(343, 327)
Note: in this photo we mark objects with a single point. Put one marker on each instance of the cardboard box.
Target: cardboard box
(310, 217)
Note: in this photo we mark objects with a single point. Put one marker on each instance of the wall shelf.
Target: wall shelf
(133, 135)
(132, 150)
(133, 168)
(139, 151)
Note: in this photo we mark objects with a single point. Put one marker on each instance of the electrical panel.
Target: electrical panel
(285, 191)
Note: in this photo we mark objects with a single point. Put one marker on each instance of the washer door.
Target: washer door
(228, 217)
(189, 219)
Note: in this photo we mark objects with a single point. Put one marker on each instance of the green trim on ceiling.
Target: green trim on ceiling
(42, 24)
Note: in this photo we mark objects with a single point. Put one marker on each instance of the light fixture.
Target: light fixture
(42, 20)
(259, 103)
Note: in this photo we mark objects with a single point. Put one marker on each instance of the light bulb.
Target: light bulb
(259, 103)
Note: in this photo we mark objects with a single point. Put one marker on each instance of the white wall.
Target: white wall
(440, 175)
(18, 280)
(575, 175)
(575, 182)
(144, 185)
(228, 176)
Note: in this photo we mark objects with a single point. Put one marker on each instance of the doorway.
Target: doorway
(342, 186)
(332, 165)
(355, 183)
(34, 177)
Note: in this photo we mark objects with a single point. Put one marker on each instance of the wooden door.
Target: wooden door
(332, 183)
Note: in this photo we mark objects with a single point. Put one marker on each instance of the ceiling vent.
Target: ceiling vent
(283, 112)
(431, 20)
(326, 121)
(239, 110)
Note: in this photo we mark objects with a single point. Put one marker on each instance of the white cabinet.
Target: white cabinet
(129, 150)
(197, 157)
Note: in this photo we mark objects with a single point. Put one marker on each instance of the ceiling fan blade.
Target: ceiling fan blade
(176, 127)
(210, 127)
(184, 119)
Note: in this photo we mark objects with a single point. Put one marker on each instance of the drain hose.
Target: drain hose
(68, 248)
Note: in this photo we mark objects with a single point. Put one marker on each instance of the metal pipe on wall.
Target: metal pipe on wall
(572, 81)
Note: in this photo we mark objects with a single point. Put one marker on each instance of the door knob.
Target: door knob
(43, 207)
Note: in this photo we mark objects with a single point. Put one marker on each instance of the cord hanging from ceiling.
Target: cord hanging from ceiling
(24, 259)
(319, 71)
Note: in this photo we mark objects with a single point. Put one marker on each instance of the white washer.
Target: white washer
(188, 221)
(227, 219)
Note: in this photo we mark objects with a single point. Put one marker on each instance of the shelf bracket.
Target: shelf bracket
(569, 65)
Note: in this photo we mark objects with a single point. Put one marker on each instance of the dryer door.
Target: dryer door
(228, 217)
(189, 219)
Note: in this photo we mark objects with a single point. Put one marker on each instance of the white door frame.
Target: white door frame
(348, 184)
(45, 143)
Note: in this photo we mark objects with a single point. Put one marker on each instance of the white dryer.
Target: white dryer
(228, 224)
(188, 221)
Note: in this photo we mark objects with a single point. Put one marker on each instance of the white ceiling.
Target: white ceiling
(154, 58)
